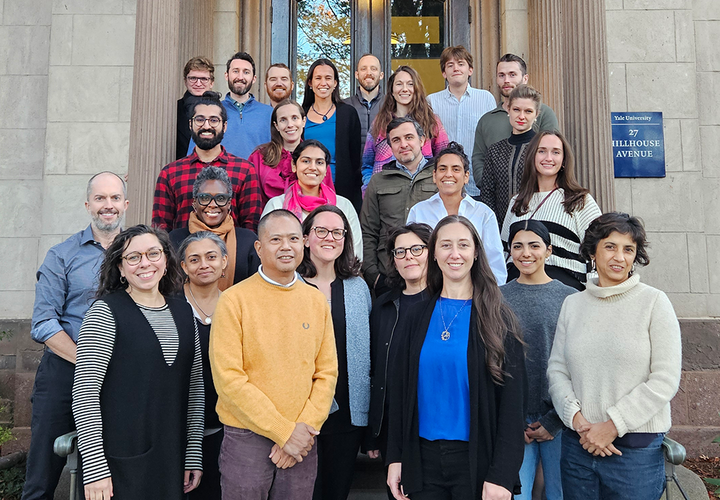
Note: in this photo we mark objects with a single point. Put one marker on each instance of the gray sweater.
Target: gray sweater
(538, 307)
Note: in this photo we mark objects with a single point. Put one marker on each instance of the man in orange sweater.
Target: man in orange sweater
(274, 365)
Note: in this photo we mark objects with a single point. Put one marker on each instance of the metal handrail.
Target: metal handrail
(675, 455)
(66, 446)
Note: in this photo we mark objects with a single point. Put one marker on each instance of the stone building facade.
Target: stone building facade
(90, 85)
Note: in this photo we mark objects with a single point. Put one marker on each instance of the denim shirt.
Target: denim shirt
(66, 284)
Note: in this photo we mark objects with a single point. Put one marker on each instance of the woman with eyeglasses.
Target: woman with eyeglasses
(273, 160)
(456, 427)
(406, 278)
(138, 389)
(212, 193)
(329, 263)
(310, 162)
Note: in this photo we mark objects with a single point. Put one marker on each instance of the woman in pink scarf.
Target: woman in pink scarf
(310, 161)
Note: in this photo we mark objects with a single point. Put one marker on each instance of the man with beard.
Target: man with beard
(248, 121)
(368, 96)
(278, 83)
(173, 190)
(494, 125)
(66, 284)
(198, 76)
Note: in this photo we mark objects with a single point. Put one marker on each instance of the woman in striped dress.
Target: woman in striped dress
(550, 193)
(138, 390)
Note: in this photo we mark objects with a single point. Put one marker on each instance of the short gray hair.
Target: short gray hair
(212, 174)
(92, 179)
(199, 236)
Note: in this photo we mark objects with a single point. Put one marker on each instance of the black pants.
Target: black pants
(445, 470)
(209, 488)
(51, 417)
(336, 464)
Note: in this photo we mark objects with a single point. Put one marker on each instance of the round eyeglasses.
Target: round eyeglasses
(322, 232)
(134, 258)
(221, 199)
(200, 120)
(415, 250)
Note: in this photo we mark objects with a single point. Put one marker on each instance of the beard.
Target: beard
(239, 88)
(276, 96)
(107, 227)
(207, 143)
(370, 87)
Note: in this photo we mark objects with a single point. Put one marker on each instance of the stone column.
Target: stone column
(196, 31)
(256, 40)
(545, 53)
(486, 25)
(587, 96)
(154, 96)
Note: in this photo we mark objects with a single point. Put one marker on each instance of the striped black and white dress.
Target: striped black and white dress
(94, 352)
(566, 230)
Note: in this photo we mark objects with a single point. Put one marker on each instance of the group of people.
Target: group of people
(299, 299)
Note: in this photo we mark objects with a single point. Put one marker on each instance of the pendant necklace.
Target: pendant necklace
(445, 335)
(324, 116)
(208, 317)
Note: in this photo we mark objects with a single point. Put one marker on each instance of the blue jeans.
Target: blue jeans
(639, 474)
(548, 452)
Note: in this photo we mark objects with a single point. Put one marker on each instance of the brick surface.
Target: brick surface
(700, 344)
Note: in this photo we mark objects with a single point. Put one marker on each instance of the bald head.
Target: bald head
(109, 176)
(106, 201)
(271, 216)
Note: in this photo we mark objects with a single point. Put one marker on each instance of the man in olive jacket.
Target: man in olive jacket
(391, 193)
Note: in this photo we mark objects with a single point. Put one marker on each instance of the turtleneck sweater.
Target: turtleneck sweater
(616, 356)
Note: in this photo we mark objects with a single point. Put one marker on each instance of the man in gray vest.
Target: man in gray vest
(368, 96)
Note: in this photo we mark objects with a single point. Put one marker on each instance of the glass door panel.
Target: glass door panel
(323, 29)
(417, 38)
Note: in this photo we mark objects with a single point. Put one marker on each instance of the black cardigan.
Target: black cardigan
(246, 258)
(348, 154)
(497, 413)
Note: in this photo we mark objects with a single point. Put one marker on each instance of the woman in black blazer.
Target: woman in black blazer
(337, 126)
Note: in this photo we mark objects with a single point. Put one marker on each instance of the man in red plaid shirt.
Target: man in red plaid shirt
(173, 191)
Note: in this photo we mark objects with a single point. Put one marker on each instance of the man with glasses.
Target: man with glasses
(66, 284)
(391, 194)
(173, 192)
(198, 76)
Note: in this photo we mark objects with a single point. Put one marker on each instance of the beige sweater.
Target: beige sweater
(616, 355)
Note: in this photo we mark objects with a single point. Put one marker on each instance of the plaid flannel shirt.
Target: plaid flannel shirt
(173, 192)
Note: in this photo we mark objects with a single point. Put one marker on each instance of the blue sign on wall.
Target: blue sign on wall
(638, 144)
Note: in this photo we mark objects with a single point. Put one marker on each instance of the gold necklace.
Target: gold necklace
(445, 335)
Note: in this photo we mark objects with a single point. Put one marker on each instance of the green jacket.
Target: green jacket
(389, 197)
(495, 126)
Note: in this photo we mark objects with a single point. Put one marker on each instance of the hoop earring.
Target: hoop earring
(632, 270)
(592, 265)
(165, 273)
(123, 280)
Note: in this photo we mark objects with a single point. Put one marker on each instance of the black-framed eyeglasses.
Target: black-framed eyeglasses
(134, 258)
(220, 199)
(202, 79)
(200, 120)
(322, 232)
(415, 250)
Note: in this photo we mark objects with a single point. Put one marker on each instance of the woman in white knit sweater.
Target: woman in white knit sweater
(614, 367)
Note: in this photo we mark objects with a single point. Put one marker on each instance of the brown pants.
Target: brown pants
(248, 474)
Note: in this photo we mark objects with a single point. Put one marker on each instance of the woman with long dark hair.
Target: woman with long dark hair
(337, 126)
(536, 299)
(138, 390)
(613, 370)
(273, 160)
(406, 97)
(550, 193)
(457, 431)
(329, 263)
(407, 280)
